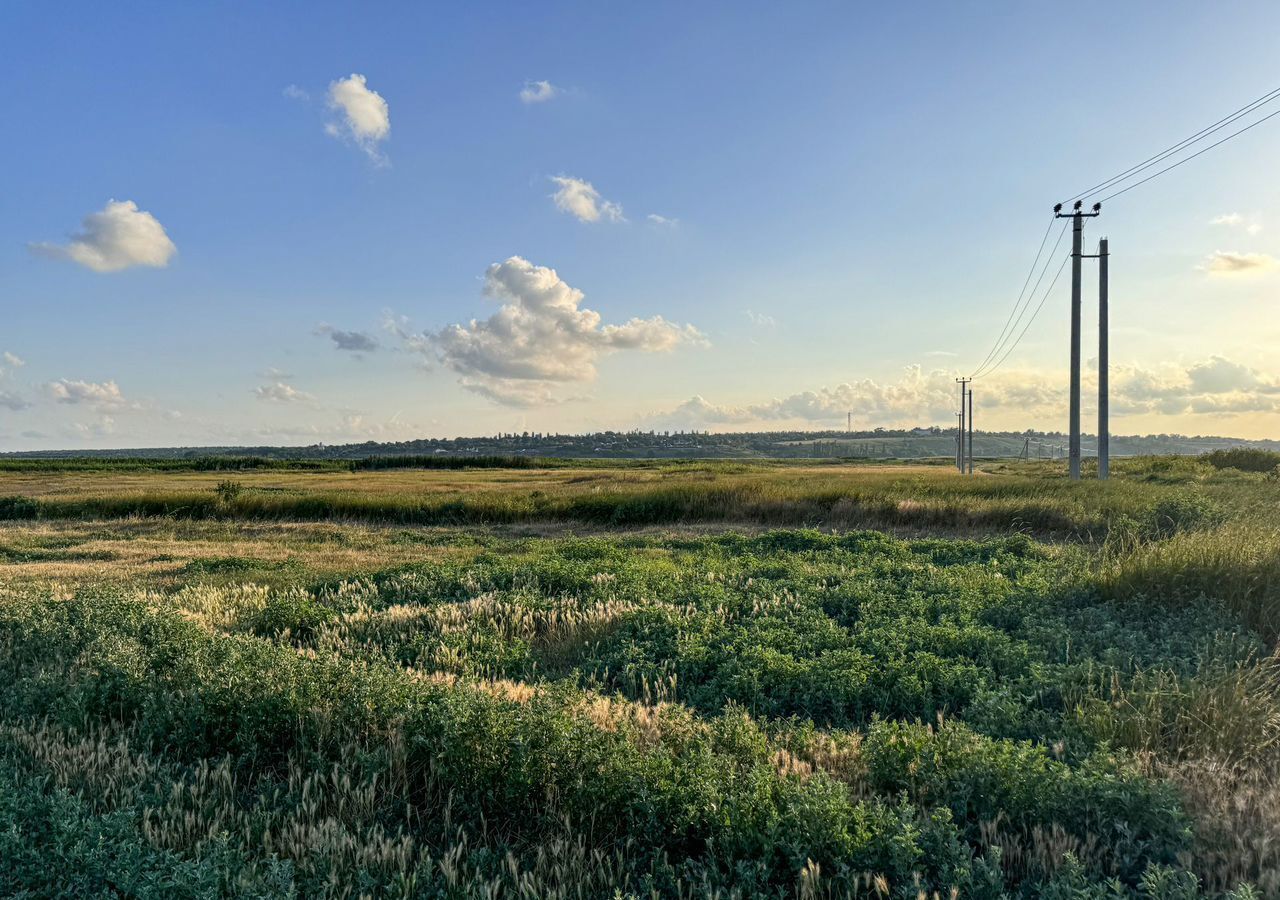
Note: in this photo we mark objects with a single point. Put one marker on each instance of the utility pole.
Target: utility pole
(1077, 237)
(970, 431)
(964, 383)
(1104, 421)
(959, 437)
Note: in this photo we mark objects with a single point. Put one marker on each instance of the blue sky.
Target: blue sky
(848, 199)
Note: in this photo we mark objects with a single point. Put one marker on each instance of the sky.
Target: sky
(290, 223)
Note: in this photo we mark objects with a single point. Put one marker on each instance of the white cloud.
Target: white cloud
(663, 221)
(117, 237)
(1218, 375)
(540, 336)
(366, 118)
(104, 426)
(761, 320)
(1235, 220)
(1214, 386)
(293, 92)
(580, 199)
(350, 341)
(538, 92)
(103, 395)
(13, 361)
(281, 392)
(1226, 262)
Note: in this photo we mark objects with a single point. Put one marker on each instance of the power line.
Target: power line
(985, 368)
(1181, 145)
(1045, 297)
(995, 348)
(1186, 159)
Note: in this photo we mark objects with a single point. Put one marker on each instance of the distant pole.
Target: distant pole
(850, 426)
(959, 435)
(964, 384)
(1104, 423)
(1077, 239)
(970, 431)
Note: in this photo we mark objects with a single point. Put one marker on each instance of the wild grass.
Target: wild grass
(1238, 565)
(237, 703)
(921, 498)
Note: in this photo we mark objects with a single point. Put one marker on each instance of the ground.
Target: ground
(639, 679)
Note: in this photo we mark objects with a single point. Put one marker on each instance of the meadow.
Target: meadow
(639, 680)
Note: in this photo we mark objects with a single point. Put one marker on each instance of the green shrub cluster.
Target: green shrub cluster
(1246, 459)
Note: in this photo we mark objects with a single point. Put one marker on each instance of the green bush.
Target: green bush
(19, 508)
(291, 613)
(1246, 459)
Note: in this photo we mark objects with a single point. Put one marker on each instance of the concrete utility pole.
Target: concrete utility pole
(970, 431)
(1077, 237)
(963, 382)
(1104, 422)
(959, 438)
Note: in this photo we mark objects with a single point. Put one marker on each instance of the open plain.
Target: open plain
(639, 680)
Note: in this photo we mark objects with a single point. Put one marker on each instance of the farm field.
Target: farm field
(676, 679)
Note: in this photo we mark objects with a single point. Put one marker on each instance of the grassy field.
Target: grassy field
(640, 680)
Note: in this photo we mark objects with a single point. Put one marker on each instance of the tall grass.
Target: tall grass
(1237, 565)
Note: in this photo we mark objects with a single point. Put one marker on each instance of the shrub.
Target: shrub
(19, 508)
(297, 614)
(1184, 511)
(228, 490)
(1246, 459)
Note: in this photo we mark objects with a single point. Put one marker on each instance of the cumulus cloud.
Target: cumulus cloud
(365, 117)
(350, 341)
(13, 361)
(117, 237)
(538, 92)
(1216, 386)
(1226, 262)
(103, 395)
(281, 392)
(581, 200)
(540, 337)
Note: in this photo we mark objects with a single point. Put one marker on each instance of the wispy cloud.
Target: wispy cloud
(293, 92)
(761, 320)
(538, 92)
(351, 341)
(1250, 224)
(662, 221)
(117, 237)
(281, 392)
(13, 402)
(1227, 262)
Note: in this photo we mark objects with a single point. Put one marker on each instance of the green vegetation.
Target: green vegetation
(239, 703)
(1246, 459)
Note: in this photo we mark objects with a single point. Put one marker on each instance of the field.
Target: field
(617, 680)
